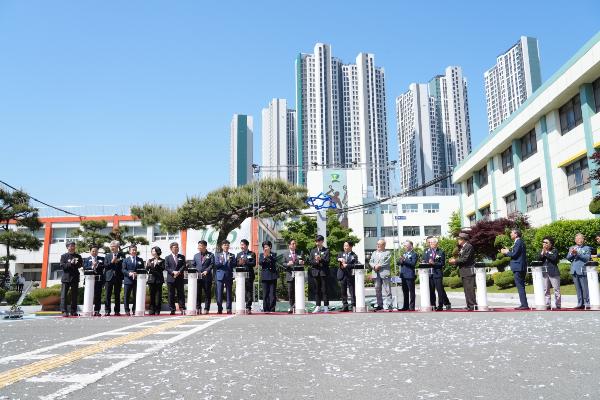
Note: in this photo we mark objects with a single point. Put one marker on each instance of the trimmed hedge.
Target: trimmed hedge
(2, 293)
(12, 296)
(504, 280)
(453, 282)
(41, 293)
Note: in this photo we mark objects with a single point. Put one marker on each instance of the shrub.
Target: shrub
(453, 282)
(565, 274)
(41, 293)
(503, 280)
(2, 293)
(595, 206)
(12, 296)
(29, 301)
(564, 232)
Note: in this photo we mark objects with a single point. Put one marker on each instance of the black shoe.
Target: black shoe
(228, 311)
(74, 314)
(65, 314)
(439, 308)
(345, 309)
(521, 308)
(219, 311)
(470, 308)
(182, 312)
(151, 313)
(96, 314)
(548, 308)
(107, 314)
(557, 307)
(127, 313)
(290, 311)
(172, 313)
(248, 311)
(117, 314)
(579, 308)
(205, 311)
(377, 308)
(403, 309)
(448, 307)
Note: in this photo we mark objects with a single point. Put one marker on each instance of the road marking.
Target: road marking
(27, 371)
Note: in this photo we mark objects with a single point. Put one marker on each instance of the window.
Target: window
(411, 231)
(596, 88)
(370, 231)
(483, 177)
(158, 235)
(472, 219)
(410, 208)
(570, 114)
(533, 195)
(432, 230)
(511, 203)
(578, 176)
(431, 208)
(470, 186)
(389, 231)
(485, 213)
(507, 160)
(63, 235)
(528, 145)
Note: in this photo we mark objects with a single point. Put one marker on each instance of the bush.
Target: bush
(41, 293)
(565, 274)
(503, 280)
(12, 296)
(595, 206)
(2, 293)
(29, 301)
(564, 232)
(453, 282)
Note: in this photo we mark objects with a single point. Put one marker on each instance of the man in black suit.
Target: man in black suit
(96, 263)
(130, 265)
(70, 262)
(347, 259)
(436, 257)
(319, 270)
(247, 259)
(175, 265)
(291, 259)
(113, 276)
(465, 261)
(203, 262)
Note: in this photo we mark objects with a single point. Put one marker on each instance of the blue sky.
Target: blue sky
(107, 102)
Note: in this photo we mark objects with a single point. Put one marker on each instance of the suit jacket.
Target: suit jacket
(465, 261)
(99, 270)
(113, 271)
(407, 264)
(155, 271)
(381, 258)
(204, 263)
(268, 267)
(224, 265)
(550, 260)
(351, 260)
(172, 265)
(70, 269)
(250, 263)
(439, 260)
(131, 265)
(518, 256)
(584, 254)
(295, 258)
(319, 268)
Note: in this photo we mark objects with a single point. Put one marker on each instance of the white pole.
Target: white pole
(140, 295)
(359, 288)
(192, 294)
(88, 295)
(593, 288)
(240, 293)
(322, 225)
(538, 287)
(299, 299)
(480, 280)
(424, 289)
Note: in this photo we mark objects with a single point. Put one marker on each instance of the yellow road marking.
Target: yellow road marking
(27, 371)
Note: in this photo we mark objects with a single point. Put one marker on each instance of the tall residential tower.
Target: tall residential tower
(240, 161)
(279, 141)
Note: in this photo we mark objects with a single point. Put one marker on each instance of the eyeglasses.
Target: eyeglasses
(546, 242)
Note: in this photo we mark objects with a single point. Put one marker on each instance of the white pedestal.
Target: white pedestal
(299, 298)
(480, 281)
(424, 289)
(140, 295)
(88, 295)
(192, 294)
(359, 290)
(593, 288)
(538, 287)
(240, 293)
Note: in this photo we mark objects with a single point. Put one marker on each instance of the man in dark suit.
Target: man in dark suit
(347, 259)
(465, 261)
(96, 263)
(224, 264)
(70, 262)
(175, 266)
(130, 265)
(247, 259)
(436, 257)
(319, 270)
(113, 276)
(407, 263)
(518, 265)
(203, 262)
(291, 259)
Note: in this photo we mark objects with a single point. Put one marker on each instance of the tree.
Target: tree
(454, 225)
(16, 209)
(483, 234)
(90, 233)
(226, 208)
(304, 231)
(595, 178)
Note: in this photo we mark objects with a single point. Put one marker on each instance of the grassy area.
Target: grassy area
(564, 289)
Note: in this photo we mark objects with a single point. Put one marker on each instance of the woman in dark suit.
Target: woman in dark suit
(268, 276)
(155, 267)
(549, 256)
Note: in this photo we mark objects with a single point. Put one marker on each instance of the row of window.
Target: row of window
(392, 231)
(64, 235)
